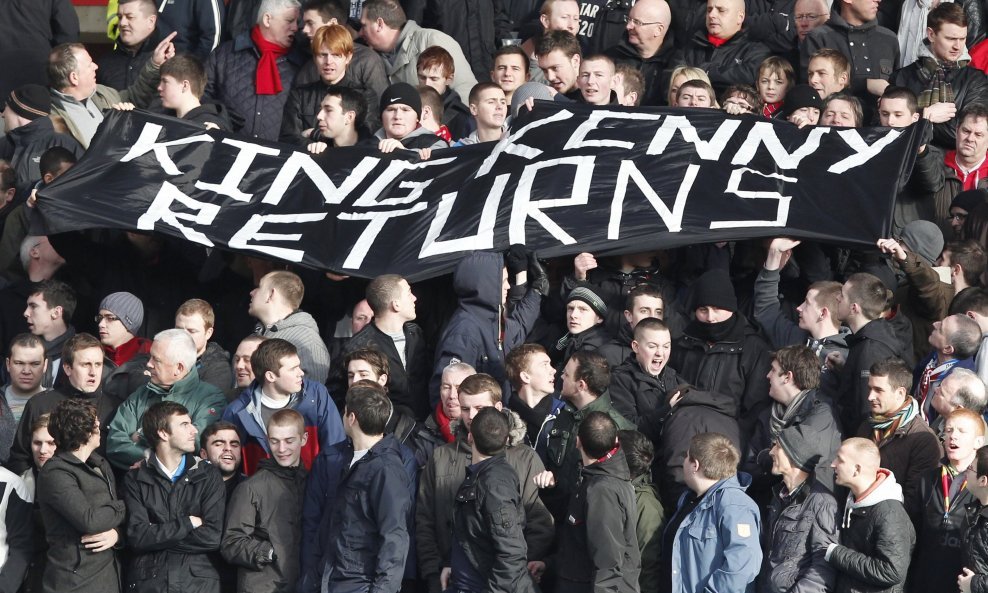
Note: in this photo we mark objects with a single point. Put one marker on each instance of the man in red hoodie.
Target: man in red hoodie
(966, 165)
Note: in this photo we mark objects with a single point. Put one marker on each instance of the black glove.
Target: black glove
(538, 278)
(516, 260)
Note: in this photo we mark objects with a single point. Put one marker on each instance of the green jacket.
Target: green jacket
(205, 403)
(563, 459)
(649, 531)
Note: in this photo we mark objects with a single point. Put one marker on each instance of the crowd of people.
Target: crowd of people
(766, 415)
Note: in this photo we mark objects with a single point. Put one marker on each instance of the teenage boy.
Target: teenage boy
(489, 107)
(280, 385)
(342, 119)
(263, 533)
(196, 316)
(435, 68)
(641, 385)
(183, 80)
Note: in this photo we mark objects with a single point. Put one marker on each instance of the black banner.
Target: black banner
(567, 178)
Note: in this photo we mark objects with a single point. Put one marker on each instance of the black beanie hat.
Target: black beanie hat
(714, 289)
(402, 93)
(801, 95)
(969, 200)
(30, 101)
(798, 448)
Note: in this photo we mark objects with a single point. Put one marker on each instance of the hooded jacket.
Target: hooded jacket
(437, 493)
(637, 394)
(169, 554)
(263, 518)
(716, 546)
(301, 330)
(322, 423)
(598, 549)
(800, 526)
(478, 333)
(968, 84)
(204, 402)
(213, 113)
(876, 541)
(22, 147)
(874, 342)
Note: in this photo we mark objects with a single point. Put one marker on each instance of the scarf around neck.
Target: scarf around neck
(885, 426)
(268, 79)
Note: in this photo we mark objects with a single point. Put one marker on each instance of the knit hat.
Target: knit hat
(714, 289)
(799, 448)
(799, 96)
(924, 239)
(585, 293)
(402, 93)
(127, 307)
(969, 200)
(30, 101)
(535, 90)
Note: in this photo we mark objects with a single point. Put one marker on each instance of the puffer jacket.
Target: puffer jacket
(598, 550)
(876, 541)
(22, 147)
(478, 333)
(488, 522)
(366, 538)
(301, 330)
(799, 528)
(940, 532)
(304, 103)
(214, 366)
(263, 517)
(437, 493)
(736, 367)
(231, 71)
(637, 394)
(968, 84)
(975, 552)
(734, 62)
(168, 554)
(79, 498)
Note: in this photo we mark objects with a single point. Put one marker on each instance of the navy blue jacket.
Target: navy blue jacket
(473, 334)
(356, 521)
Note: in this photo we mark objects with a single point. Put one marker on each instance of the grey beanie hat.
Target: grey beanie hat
(127, 307)
(585, 293)
(535, 90)
(923, 238)
(801, 452)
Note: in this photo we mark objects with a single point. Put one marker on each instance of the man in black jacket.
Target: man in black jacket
(941, 76)
(598, 550)
(642, 384)
(724, 50)
(876, 536)
(175, 505)
(393, 333)
(140, 33)
(648, 47)
(30, 132)
(489, 552)
(263, 532)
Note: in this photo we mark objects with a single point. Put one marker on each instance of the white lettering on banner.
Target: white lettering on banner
(160, 210)
(862, 152)
(524, 207)
(508, 144)
(578, 138)
(484, 239)
(251, 232)
(148, 142)
(673, 220)
(763, 132)
(300, 161)
(369, 199)
(230, 186)
(377, 219)
(733, 187)
(708, 150)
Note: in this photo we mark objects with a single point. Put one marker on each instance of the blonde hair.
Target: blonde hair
(690, 73)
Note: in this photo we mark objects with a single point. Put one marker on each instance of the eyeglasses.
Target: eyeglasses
(958, 216)
(639, 23)
(108, 318)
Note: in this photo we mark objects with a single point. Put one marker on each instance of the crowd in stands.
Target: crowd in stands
(766, 415)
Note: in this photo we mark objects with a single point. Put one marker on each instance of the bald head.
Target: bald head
(647, 37)
(863, 452)
(724, 18)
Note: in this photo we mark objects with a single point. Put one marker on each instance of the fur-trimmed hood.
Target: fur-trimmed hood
(516, 433)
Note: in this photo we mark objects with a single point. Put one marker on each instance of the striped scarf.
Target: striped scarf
(884, 427)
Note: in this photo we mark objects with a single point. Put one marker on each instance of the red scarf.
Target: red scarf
(444, 133)
(716, 41)
(443, 421)
(268, 77)
(770, 109)
(127, 350)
